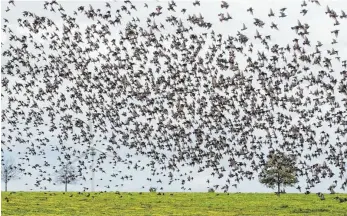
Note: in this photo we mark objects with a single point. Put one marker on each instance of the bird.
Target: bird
(244, 27)
(343, 15)
(298, 188)
(304, 4)
(303, 12)
(336, 32)
(250, 10)
(224, 5)
(274, 26)
(196, 2)
(321, 196)
(282, 14)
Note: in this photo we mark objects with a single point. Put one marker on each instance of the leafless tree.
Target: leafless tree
(67, 175)
(9, 171)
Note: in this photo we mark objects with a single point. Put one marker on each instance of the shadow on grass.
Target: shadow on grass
(300, 210)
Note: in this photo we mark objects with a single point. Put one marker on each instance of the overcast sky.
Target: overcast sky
(320, 30)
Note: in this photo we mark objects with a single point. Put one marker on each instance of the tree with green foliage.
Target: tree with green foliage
(279, 170)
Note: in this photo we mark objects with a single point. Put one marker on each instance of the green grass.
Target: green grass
(57, 203)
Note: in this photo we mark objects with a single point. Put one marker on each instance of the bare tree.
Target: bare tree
(67, 175)
(9, 171)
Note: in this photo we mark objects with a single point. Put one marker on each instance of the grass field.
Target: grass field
(111, 203)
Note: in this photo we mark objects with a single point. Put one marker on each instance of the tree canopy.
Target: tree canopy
(67, 175)
(280, 170)
(9, 171)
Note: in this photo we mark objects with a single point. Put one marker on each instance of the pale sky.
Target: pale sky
(320, 30)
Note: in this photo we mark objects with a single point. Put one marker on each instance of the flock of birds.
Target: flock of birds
(172, 89)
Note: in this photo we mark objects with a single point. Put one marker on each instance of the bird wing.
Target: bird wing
(299, 23)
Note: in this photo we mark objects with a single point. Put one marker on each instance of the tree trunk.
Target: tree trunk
(6, 179)
(278, 188)
(65, 179)
(278, 185)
